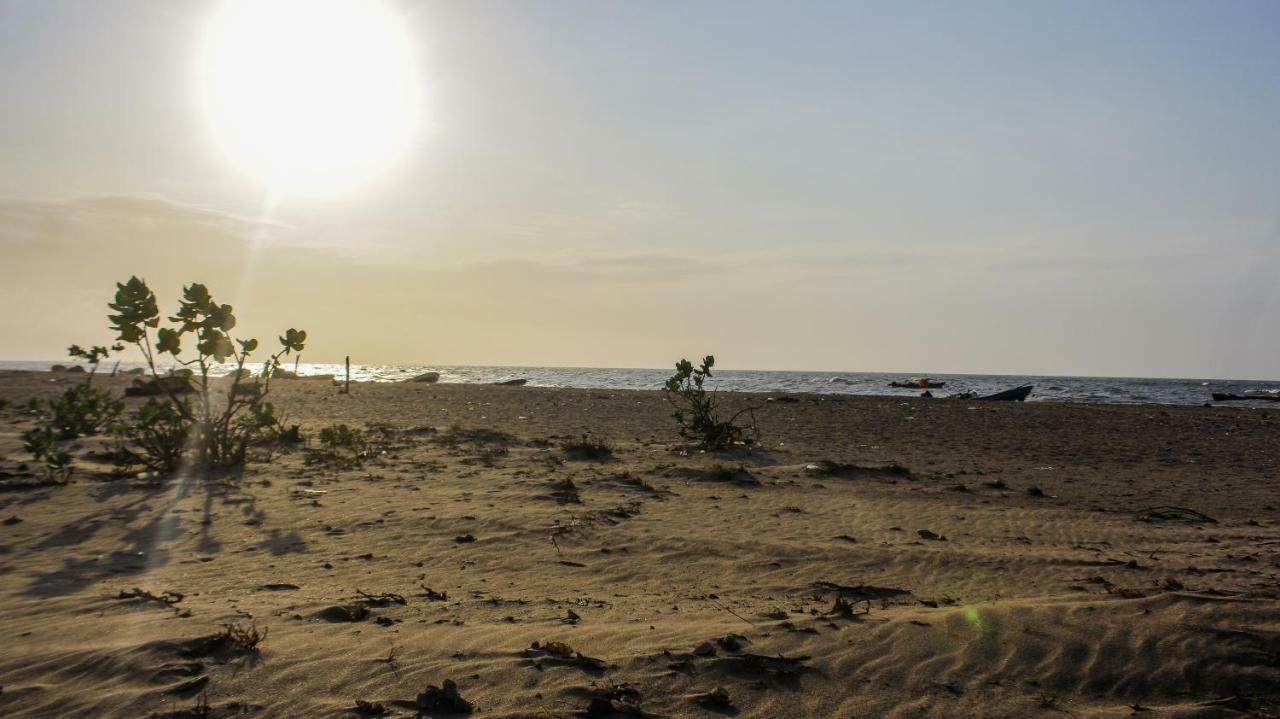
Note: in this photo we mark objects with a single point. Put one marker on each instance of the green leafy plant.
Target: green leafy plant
(156, 437)
(347, 446)
(340, 446)
(84, 409)
(213, 423)
(695, 408)
(43, 446)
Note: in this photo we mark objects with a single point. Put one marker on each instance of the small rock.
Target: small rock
(718, 698)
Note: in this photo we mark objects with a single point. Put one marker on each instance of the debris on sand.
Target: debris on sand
(166, 597)
(602, 707)
(464, 539)
(778, 665)
(344, 613)
(863, 592)
(737, 475)
(717, 698)
(371, 709)
(446, 698)
(630, 481)
(279, 587)
(828, 468)
(931, 536)
(852, 595)
(614, 699)
(705, 649)
(1169, 513)
(561, 654)
(233, 639)
(565, 492)
(379, 600)
(844, 608)
(1111, 587)
(732, 642)
(622, 511)
(434, 596)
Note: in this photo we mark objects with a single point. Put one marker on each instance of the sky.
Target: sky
(1080, 188)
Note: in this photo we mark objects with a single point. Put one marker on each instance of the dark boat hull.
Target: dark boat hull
(1010, 395)
(1217, 397)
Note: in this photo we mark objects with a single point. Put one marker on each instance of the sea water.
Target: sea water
(1107, 390)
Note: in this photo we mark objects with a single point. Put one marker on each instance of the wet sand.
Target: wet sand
(995, 560)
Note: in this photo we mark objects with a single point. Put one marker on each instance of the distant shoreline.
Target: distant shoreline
(1056, 390)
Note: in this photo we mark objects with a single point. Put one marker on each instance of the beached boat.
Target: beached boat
(917, 384)
(1219, 397)
(1017, 394)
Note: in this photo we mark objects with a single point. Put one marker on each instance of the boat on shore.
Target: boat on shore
(922, 383)
(1017, 394)
(1228, 397)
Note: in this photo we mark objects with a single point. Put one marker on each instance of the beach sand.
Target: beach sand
(995, 558)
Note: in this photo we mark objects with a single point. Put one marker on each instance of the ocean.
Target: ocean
(1105, 390)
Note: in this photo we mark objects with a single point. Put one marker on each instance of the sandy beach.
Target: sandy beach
(870, 557)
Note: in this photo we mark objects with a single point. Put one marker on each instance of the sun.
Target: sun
(310, 96)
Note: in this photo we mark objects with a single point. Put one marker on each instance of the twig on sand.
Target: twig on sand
(165, 597)
(739, 616)
(1173, 514)
(379, 600)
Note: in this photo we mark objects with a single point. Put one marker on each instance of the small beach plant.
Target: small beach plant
(215, 427)
(695, 408)
(80, 410)
(84, 409)
(42, 444)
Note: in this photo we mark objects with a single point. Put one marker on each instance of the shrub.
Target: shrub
(695, 408)
(84, 409)
(588, 448)
(160, 432)
(346, 446)
(80, 410)
(216, 430)
(340, 436)
(42, 444)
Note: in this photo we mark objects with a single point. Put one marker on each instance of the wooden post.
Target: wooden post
(347, 388)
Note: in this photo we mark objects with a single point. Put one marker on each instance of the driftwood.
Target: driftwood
(1173, 514)
(379, 600)
(166, 597)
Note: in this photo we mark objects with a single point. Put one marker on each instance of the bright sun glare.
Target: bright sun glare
(310, 96)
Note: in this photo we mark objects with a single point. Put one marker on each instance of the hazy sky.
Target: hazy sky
(1079, 187)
